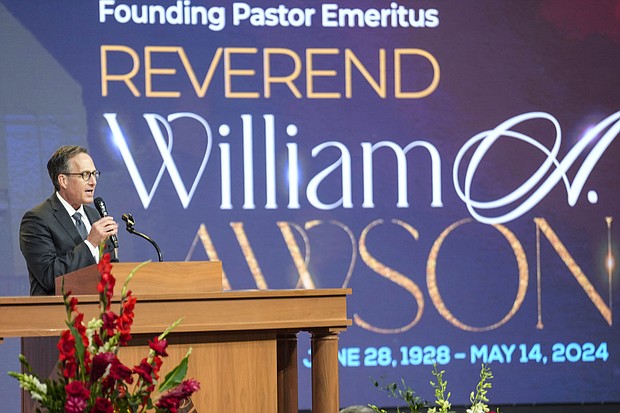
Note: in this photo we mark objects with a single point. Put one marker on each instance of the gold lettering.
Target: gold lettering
(311, 73)
(230, 72)
(398, 93)
(244, 73)
(392, 275)
(379, 87)
(209, 246)
(200, 89)
(312, 224)
(433, 289)
(301, 263)
(287, 80)
(126, 77)
(248, 253)
(149, 72)
(575, 270)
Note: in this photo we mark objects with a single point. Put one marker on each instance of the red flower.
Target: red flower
(73, 303)
(119, 371)
(75, 405)
(106, 284)
(78, 323)
(104, 266)
(102, 406)
(101, 286)
(66, 346)
(126, 319)
(69, 369)
(169, 403)
(172, 399)
(124, 327)
(124, 338)
(157, 362)
(109, 319)
(190, 386)
(79, 326)
(97, 340)
(159, 346)
(100, 363)
(145, 371)
(129, 303)
(77, 397)
(77, 389)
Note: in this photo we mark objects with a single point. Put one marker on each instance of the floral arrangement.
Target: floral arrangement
(91, 378)
(478, 399)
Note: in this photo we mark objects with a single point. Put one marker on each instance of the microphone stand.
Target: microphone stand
(128, 218)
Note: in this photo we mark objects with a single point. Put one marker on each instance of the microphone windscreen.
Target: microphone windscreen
(100, 205)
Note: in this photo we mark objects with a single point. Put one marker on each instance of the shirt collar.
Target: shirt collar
(69, 208)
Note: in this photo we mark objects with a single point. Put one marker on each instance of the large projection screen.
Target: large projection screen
(454, 163)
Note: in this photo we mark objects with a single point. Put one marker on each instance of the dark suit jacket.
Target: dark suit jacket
(51, 244)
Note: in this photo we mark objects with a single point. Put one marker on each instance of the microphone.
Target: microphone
(100, 205)
(130, 222)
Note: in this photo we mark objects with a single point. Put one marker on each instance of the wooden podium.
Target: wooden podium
(244, 343)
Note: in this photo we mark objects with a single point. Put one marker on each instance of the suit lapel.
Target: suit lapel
(93, 215)
(64, 219)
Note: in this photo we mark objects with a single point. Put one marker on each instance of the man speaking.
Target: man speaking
(62, 234)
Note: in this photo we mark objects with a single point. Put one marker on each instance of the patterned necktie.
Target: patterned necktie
(80, 225)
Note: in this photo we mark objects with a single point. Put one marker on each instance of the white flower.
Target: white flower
(109, 346)
(444, 406)
(478, 408)
(92, 326)
(32, 385)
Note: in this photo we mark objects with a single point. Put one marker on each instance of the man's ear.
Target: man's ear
(62, 181)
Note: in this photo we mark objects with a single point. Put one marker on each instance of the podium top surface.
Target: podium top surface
(287, 310)
(149, 277)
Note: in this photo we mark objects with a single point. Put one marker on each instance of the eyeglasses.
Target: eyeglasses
(85, 175)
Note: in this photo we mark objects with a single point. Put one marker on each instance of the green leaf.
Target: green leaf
(176, 376)
(79, 348)
(130, 276)
(170, 328)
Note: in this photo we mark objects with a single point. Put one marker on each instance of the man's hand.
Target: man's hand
(101, 230)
